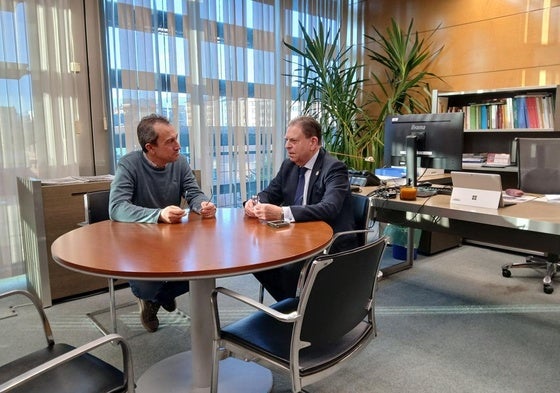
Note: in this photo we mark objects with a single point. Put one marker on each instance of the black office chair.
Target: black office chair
(63, 368)
(360, 209)
(96, 205)
(538, 163)
(309, 336)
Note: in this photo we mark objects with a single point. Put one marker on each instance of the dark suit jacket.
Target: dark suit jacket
(329, 197)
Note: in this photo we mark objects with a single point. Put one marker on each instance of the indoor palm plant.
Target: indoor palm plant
(330, 89)
(404, 58)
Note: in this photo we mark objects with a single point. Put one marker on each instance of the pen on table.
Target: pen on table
(210, 198)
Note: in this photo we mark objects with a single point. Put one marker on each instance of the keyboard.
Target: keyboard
(427, 191)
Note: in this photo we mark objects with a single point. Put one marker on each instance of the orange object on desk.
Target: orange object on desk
(408, 193)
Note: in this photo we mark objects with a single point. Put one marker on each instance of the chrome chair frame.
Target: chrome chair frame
(68, 356)
(96, 206)
(307, 354)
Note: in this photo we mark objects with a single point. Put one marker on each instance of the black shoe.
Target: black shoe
(170, 306)
(148, 315)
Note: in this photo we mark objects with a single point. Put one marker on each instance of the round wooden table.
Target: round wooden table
(199, 250)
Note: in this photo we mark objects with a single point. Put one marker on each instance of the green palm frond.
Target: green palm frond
(329, 87)
(405, 59)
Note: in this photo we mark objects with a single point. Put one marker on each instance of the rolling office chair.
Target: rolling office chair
(96, 206)
(63, 368)
(538, 164)
(310, 336)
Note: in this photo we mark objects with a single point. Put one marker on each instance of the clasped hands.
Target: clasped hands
(263, 211)
(174, 214)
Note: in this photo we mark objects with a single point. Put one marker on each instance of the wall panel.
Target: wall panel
(487, 44)
(428, 14)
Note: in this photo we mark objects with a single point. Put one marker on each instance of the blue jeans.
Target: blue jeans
(162, 292)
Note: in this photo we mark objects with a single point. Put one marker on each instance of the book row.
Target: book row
(533, 111)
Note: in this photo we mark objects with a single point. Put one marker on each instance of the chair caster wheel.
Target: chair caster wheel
(548, 289)
(506, 273)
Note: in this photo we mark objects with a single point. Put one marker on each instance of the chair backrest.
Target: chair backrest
(538, 163)
(198, 176)
(96, 205)
(339, 293)
(360, 208)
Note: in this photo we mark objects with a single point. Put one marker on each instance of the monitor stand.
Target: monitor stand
(411, 160)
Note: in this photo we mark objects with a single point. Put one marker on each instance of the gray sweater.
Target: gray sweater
(139, 191)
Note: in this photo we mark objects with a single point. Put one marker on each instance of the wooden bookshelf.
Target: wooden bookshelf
(503, 110)
(520, 112)
(494, 118)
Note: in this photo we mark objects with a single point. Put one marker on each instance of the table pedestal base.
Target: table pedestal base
(173, 375)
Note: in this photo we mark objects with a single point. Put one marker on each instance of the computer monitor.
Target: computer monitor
(431, 140)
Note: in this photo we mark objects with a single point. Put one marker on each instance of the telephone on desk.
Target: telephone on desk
(363, 178)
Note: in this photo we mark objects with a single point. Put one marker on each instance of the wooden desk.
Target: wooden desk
(532, 225)
(430, 242)
(198, 250)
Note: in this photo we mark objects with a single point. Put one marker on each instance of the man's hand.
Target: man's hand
(250, 208)
(171, 214)
(267, 211)
(207, 209)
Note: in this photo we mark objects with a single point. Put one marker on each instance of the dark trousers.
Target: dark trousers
(162, 292)
(282, 282)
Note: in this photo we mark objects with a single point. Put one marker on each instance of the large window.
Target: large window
(43, 116)
(216, 69)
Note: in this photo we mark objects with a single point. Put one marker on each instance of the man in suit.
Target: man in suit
(326, 197)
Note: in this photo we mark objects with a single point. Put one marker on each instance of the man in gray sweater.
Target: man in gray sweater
(148, 187)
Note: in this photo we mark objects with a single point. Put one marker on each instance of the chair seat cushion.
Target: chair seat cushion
(83, 374)
(260, 332)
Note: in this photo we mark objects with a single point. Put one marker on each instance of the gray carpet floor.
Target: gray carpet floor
(452, 323)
